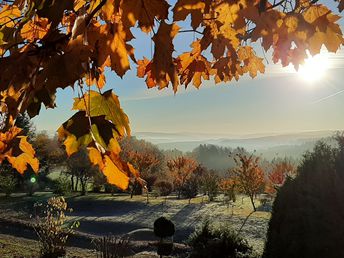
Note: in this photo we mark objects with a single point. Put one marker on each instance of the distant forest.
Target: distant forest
(218, 157)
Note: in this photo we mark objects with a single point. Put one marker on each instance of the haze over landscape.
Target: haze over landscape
(274, 113)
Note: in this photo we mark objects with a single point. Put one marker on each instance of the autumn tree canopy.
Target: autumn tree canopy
(181, 170)
(50, 44)
(248, 175)
(280, 172)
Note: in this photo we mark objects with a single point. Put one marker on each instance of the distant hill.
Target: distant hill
(213, 151)
(187, 141)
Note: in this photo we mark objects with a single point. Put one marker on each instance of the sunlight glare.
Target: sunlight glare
(314, 68)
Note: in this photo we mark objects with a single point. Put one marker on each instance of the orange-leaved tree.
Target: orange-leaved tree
(146, 158)
(46, 45)
(181, 169)
(280, 172)
(248, 174)
(227, 187)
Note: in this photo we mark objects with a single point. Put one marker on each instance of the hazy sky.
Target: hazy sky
(277, 102)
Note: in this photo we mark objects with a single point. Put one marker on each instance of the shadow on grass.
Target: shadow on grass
(23, 203)
(102, 228)
(99, 208)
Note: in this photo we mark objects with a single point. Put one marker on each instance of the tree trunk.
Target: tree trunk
(132, 191)
(72, 182)
(83, 186)
(252, 201)
(147, 195)
(76, 184)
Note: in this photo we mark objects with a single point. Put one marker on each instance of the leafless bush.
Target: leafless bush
(51, 227)
(112, 247)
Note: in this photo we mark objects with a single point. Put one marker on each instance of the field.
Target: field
(103, 214)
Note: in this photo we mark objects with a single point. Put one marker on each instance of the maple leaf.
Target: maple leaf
(64, 70)
(195, 8)
(112, 49)
(110, 10)
(226, 68)
(163, 66)
(35, 29)
(78, 4)
(144, 68)
(16, 149)
(252, 63)
(193, 66)
(143, 12)
(115, 170)
(97, 127)
(221, 36)
(26, 157)
(106, 104)
(96, 77)
(53, 10)
(114, 175)
(8, 13)
(81, 131)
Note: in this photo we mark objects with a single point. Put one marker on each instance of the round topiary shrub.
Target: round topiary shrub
(163, 227)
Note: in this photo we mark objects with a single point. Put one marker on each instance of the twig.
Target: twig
(243, 224)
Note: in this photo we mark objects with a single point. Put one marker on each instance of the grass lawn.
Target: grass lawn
(102, 214)
(15, 247)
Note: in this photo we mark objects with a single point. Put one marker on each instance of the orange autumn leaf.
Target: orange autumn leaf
(114, 175)
(163, 66)
(144, 12)
(17, 150)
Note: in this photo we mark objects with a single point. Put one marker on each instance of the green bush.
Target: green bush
(164, 188)
(7, 184)
(218, 242)
(190, 188)
(308, 212)
(62, 186)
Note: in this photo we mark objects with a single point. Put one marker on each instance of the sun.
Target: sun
(314, 68)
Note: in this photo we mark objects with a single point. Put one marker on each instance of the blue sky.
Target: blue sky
(276, 102)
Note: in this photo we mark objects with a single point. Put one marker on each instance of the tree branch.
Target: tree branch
(191, 31)
(99, 6)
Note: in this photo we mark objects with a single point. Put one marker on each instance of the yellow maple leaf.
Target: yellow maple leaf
(114, 175)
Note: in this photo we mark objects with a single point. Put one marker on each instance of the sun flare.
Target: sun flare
(314, 68)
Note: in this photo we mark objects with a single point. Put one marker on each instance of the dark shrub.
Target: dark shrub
(164, 188)
(308, 212)
(190, 188)
(62, 186)
(112, 247)
(99, 180)
(8, 184)
(163, 227)
(220, 242)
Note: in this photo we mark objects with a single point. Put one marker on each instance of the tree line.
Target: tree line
(162, 173)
